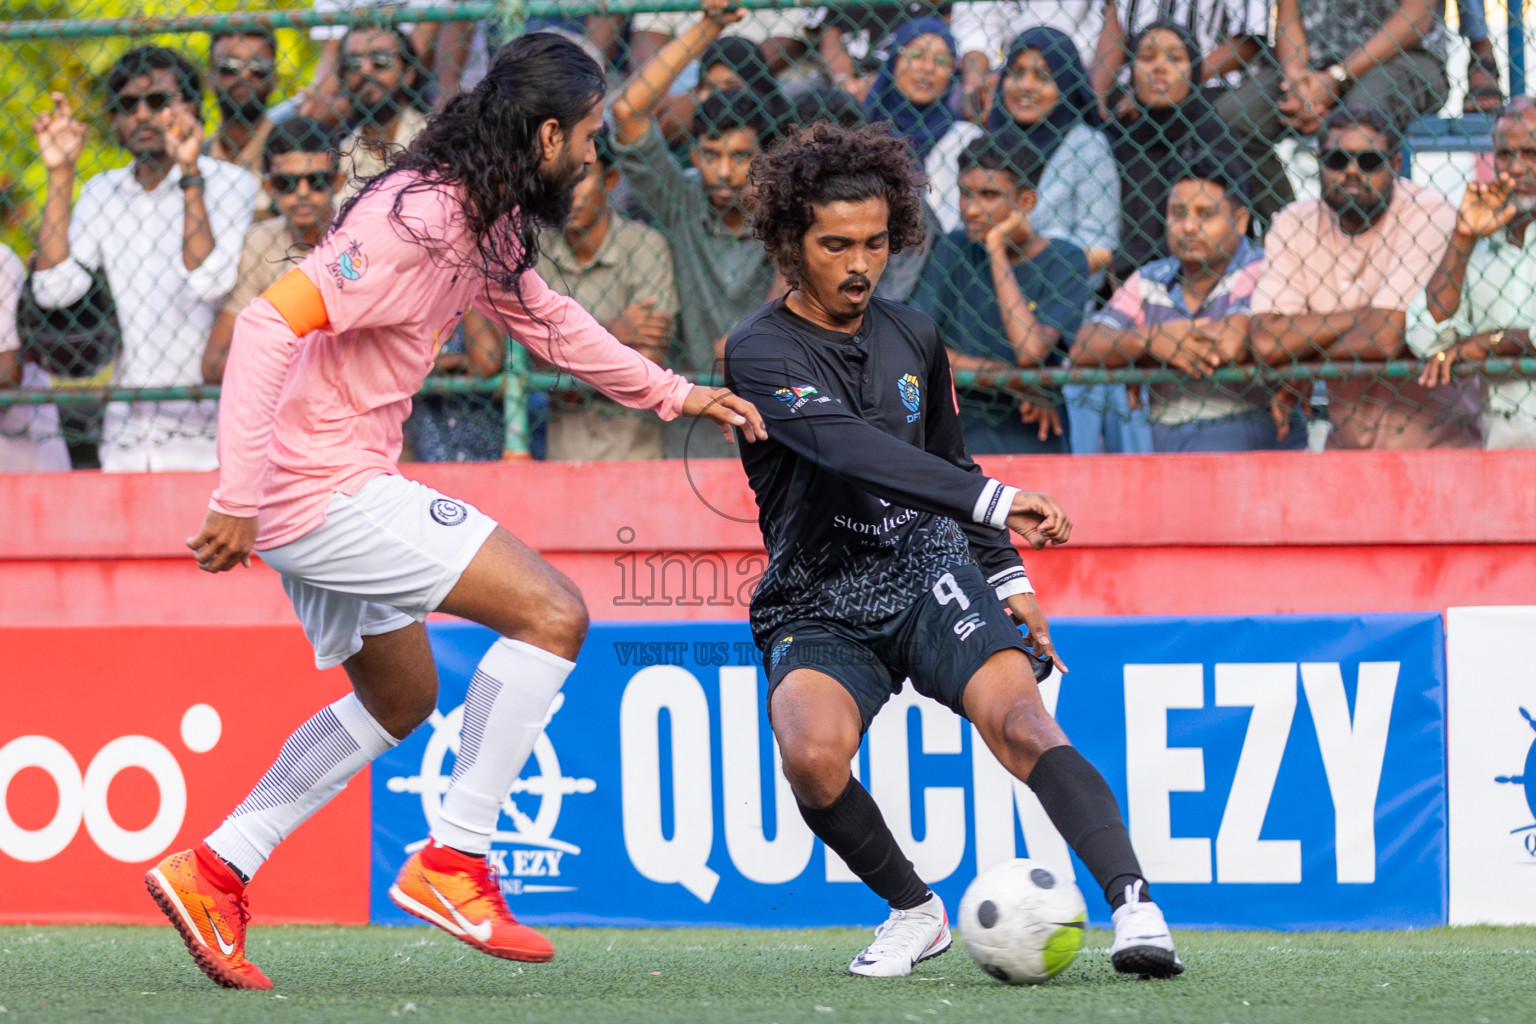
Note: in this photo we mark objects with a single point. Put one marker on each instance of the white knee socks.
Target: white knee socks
(314, 765)
(504, 712)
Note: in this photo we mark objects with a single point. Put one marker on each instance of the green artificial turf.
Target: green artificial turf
(102, 973)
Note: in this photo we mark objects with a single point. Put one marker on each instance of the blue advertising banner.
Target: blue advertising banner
(1275, 771)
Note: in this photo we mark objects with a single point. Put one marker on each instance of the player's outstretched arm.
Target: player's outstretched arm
(727, 409)
(263, 347)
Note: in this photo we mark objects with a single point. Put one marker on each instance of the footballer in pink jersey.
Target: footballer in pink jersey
(319, 382)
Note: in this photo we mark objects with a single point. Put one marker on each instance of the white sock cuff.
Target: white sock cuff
(372, 738)
(229, 842)
(505, 659)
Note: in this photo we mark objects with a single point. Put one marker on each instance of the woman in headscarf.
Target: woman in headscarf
(917, 91)
(1043, 92)
(1164, 125)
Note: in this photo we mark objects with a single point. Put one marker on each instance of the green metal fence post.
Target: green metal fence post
(514, 399)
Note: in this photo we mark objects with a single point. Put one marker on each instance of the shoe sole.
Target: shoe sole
(417, 909)
(949, 940)
(165, 898)
(1148, 962)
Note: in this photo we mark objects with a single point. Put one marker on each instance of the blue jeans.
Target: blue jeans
(1251, 432)
(1103, 422)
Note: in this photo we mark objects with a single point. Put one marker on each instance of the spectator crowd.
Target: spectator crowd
(1109, 188)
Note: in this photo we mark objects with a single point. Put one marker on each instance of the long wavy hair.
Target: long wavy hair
(483, 148)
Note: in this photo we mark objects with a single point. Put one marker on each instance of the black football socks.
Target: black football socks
(853, 828)
(1083, 809)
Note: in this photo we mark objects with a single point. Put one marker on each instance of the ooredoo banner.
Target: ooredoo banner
(120, 744)
(1275, 771)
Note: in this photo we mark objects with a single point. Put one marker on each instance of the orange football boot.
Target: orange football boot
(461, 895)
(204, 899)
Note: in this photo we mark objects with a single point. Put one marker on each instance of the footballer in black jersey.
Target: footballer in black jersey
(889, 556)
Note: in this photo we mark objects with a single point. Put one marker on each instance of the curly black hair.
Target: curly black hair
(828, 163)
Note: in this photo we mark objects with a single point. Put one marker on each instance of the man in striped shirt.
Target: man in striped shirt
(1190, 313)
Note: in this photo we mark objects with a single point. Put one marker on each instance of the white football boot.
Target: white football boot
(906, 939)
(1143, 944)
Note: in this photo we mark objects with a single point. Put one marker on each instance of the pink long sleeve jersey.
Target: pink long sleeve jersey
(303, 418)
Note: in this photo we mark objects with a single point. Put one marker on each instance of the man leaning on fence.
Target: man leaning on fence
(621, 272)
(1339, 276)
(1481, 299)
(1190, 313)
(720, 267)
(166, 230)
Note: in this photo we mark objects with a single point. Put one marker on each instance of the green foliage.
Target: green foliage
(30, 71)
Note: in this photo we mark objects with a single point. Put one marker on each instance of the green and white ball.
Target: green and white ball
(1021, 922)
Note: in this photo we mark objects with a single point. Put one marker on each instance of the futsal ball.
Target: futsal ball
(1021, 922)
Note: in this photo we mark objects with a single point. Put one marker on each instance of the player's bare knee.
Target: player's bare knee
(1029, 731)
(559, 625)
(815, 763)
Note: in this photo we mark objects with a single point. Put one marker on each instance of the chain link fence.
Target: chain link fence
(1153, 225)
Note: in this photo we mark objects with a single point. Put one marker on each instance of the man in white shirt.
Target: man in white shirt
(1481, 300)
(167, 232)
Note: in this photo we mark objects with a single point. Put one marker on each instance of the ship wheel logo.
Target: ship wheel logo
(1527, 781)
(548, 787)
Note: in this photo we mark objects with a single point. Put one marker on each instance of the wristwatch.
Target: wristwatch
(1340, 75)
(190, 181)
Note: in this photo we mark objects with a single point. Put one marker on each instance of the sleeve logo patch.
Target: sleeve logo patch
(796, 397)
(911, 395)
(351, 265)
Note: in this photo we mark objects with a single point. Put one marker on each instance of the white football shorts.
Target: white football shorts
(384, 558)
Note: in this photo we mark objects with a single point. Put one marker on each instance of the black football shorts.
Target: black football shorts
(939, 642)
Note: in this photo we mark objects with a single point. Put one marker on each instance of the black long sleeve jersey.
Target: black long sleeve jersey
(865, 493)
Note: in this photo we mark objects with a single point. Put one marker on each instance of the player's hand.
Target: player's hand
(223, 542)
(1038, 519)
(1025, 611)
(60, 138)
(728, 409)
(719, 11)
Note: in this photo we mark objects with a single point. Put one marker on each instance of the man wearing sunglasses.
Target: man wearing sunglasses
(166, 231)
(242, 68)
(1339, 276)
(385, 85)
(300, 180)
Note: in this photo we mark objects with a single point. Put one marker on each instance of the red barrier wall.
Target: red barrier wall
(88, 561)
(1261, 532)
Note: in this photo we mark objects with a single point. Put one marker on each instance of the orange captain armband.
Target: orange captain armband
(299, 301)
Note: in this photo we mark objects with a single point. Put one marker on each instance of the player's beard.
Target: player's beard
(552, 195)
